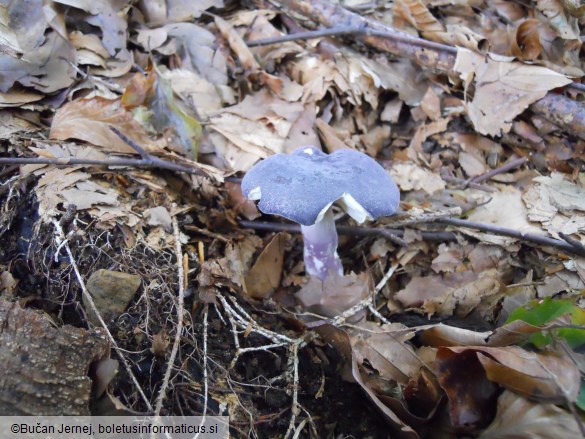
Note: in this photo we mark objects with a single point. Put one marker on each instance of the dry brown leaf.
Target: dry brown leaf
(387, 352)
(265, 275)
(512, 333)
(416, 13)
(508, 200)
(109, 17)
(340, 340)
(207, 98)
(409, 176)
(527, 42)
(471, 395)
(443, 294)
(187, 10)
(159, 216)
(90, 120)
(242, 205)
(519, 418)
(557, 203)
(422, 133)
(255, 128)
(503, 89)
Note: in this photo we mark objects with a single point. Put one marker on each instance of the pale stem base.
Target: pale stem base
(320, 252)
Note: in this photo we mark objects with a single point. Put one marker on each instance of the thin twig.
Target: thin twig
(365, 303)
(62, 243)
(179, 328)
(452, 179)
(575, 243)
(205, 381)
(351, 30)
(504, 168)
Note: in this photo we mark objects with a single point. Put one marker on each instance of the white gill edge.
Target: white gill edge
(354, 209)
(255, 194)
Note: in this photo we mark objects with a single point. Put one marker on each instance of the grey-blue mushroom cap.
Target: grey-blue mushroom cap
(301, 185)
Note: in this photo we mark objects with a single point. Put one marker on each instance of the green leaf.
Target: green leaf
(541, 312)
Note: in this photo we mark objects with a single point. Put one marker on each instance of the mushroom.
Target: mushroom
(303, 186)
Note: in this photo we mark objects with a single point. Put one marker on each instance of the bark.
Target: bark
(44, 369)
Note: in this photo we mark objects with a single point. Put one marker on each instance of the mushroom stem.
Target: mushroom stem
(320, 252)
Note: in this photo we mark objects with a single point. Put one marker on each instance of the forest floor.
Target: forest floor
(136, 278)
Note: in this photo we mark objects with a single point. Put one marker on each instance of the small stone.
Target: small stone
(111, 292)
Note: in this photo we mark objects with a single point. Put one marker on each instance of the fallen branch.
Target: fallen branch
(556, 108)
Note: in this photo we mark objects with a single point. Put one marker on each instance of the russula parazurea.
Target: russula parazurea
(303, 186)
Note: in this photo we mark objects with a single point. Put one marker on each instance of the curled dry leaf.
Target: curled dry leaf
(264, 276)
(340, 340)
(545, 376)
(515, 332)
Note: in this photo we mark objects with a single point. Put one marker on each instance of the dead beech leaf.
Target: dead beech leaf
(335, 294)
(503, 89)
(187, 10)
(255, 128)
(409, 176)
(387, 352)
(544, 376)
(340, 340)
(109, 17)
(416, 13)
(90, 120)
(512, 333)
(265, 275)
(508, 200)
(444, 294)
(527, 42)
(519, 418)
(159, 216)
